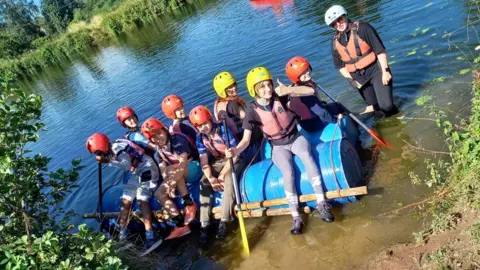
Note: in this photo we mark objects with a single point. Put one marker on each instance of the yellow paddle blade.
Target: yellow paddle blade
(243, 232)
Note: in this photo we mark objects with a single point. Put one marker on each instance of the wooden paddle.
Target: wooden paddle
(243, 232)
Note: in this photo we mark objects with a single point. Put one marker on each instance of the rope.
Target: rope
(333, 164)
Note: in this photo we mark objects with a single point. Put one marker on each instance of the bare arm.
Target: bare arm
(207, 170)
(243, 144)
(382, 59)
(241, 114)
(300, 91)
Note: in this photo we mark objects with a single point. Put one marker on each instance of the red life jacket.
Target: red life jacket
(277, 123)
(220, 111)
(357, 54)
(216, 145)
(134, 151)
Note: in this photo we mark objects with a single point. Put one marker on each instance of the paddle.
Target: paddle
(100, 190)
(246, 248)
(371, 132)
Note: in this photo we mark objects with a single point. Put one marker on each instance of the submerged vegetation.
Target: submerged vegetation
(62, 34)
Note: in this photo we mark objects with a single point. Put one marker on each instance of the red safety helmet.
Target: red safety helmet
(199, 115)
(98, 142)
(170, 104)
(151, 127)
(295, 67)
(124, 113)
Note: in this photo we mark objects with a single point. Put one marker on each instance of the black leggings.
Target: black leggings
(379, 95)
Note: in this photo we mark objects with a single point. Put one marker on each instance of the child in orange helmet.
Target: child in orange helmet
(129, 119)
(175, 151)
(127, 156)
(313, 113)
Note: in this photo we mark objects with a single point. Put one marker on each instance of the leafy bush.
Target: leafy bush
(31, 195)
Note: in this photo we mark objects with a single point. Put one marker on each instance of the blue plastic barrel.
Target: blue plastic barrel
(340, 170)
(347, 129)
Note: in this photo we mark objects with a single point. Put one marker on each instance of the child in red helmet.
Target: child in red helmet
(217, 176)
(127, 156)
(313, 113)
(172, 107)
(175, 151)
(129, 119)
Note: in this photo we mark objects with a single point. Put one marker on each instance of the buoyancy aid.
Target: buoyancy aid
(300, 109)
(170, 157)
(216, 145)
(148, 151)
(277, 123)
(134, 151)
(357, 54)
(220, 111)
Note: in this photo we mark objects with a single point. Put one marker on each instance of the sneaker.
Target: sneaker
(178, 232)
(203, 235)
(297, 226)
(324, 210)
(190, 211)
(222, 230)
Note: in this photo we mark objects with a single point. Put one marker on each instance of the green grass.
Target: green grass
(65, 47)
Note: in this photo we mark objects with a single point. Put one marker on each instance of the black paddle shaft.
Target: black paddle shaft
(100, 191)
(234, 176)
(344, 108)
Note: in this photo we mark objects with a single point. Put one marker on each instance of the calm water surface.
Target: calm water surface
(427, 45)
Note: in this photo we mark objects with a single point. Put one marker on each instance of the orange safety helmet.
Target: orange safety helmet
(170, 104)
(295, 67)
(124, 113)
(98, 142)
(151, 127)
(199, 115)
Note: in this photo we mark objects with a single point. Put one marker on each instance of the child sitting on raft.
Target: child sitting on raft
(211, 145)
(127, 156)
(313, 113)
(129, 119)
(270, 113)
(232, 107)
(172, 107)
(175, 151)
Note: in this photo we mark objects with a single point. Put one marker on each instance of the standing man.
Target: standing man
(360, 56)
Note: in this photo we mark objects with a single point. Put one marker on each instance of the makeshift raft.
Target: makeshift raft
(261, 184)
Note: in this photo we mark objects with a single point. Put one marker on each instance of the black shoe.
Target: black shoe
(297, 226)
(222, 230)
(324, 210)
(203, 235)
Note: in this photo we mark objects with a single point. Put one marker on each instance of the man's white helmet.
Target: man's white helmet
(333, 13)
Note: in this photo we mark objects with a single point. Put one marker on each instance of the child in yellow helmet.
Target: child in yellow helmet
(270, 113)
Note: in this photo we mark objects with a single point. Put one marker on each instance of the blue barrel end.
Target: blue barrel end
(341, 167)
(264, 181)
(348, 129)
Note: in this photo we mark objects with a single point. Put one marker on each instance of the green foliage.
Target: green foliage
(55, 50)
(58, 13)
(83, 250)
(30, 198)
(475, 232)
(89, 8)
(19, 26)
(440, 258)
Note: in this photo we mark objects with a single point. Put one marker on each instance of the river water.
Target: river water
(430, 51)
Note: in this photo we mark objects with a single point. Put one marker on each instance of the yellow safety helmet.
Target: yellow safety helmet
(222, 81)
(256, 75)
